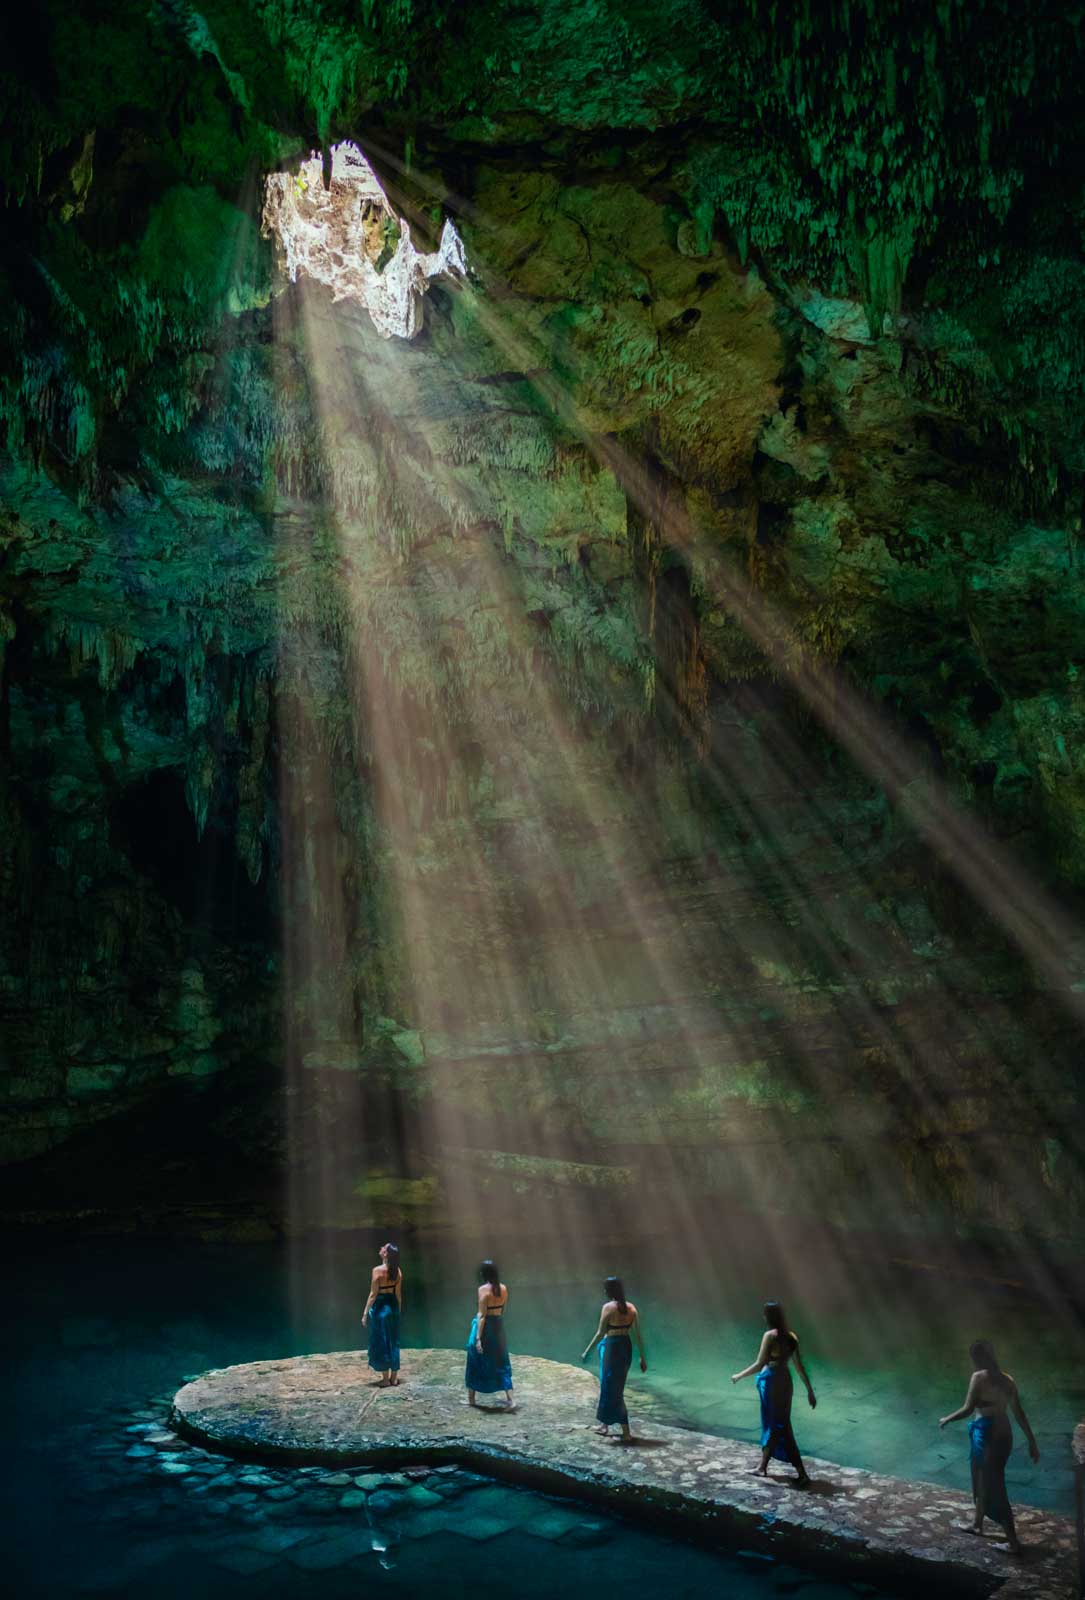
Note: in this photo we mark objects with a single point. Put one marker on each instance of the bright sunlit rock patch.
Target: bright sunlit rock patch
(348, 237)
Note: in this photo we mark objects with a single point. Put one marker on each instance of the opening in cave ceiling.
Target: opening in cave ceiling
(348, 236)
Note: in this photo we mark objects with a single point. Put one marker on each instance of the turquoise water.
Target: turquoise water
(103, 1500)
(106, 1331)
(886, 1346)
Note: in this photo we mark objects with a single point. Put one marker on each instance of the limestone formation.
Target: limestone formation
(543, 628)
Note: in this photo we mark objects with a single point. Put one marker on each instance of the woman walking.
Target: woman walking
(992, 1393)
(779, 1347)
(619, 1324)
(381, 1316)
(488, 1366)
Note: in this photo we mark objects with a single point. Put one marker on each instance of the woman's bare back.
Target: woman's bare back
(993, 1399)
(780, 1348)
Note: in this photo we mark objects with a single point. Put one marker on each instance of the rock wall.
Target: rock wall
(393, 778)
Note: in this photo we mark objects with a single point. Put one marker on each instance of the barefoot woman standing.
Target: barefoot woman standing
(381, 1316)
(779, 1347)
(991, 1394)
(619, 1325)
(488, 1365)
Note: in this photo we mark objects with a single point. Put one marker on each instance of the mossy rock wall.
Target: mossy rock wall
(387, 767)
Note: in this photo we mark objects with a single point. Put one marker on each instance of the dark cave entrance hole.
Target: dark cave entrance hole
(202, 876)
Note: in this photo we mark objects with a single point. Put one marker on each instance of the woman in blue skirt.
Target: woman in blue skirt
(779, 1347)
(381, 1316)
(488, 1366)
(619, 1325)
(992, 1393)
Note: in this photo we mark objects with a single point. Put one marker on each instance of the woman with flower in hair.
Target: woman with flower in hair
(381, 1316)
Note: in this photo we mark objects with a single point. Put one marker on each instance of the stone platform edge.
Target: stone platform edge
(793, 1531)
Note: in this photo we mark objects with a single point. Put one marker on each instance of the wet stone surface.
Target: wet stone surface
(312, 1423)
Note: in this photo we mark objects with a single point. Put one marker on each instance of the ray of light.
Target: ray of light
(458, 714)
(499, 991)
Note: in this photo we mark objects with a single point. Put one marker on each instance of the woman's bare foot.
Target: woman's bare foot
(969, 1527)
(759, 1472)
(604, 1431)
(802, 1480)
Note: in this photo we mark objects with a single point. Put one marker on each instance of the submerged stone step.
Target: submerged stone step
(328, 1411)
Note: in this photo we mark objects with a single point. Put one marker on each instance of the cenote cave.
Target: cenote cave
(542, 722)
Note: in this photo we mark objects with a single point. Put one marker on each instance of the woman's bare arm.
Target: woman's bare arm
(969, 1403)
(801, 1370)
(1026, 1426)
(372, 1294)
(755, 1366)
(640, 1341)
(600, 1330)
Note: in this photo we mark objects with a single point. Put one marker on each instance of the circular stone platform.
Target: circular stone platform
(328, 1408)
(331, 1408)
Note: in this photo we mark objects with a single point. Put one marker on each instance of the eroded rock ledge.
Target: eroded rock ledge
(325, 1408)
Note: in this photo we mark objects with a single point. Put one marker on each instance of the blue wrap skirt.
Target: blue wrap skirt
(775, 1387)
(490, 1371)
(991, 1440)
(384, 1334)
(615, 1359)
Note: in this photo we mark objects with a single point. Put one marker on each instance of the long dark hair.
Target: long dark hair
(488, 1273)
(776, 1317)
(391, 1261)
(613, 1290)
(982, 1353)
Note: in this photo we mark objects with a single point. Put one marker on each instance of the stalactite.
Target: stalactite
(111, 651)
